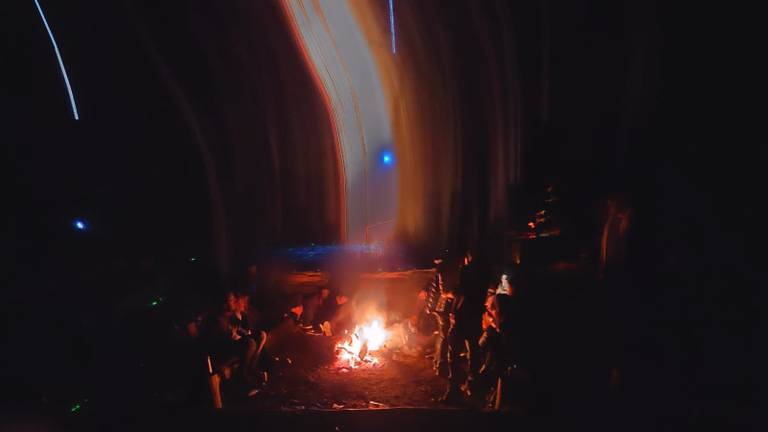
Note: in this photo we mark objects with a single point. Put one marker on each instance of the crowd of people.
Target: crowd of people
(470, 308)
(240, 336)
(473, 316)
(480, 344)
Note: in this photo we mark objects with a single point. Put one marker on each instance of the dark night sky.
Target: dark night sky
(127, 165)
(132, 164)
(133, 168)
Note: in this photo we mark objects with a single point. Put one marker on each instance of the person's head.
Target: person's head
(242, 301)
(612, 207)
(440, 266)
(467, 257)
(296, 304)
(443, 259)
(505, 287)
(253, 272)
(617, 203)
(325, 292)
(232, 302)
(298, 309)
(341, 299)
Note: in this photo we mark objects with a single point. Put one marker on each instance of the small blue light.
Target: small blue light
(387, 158)
(80, 225)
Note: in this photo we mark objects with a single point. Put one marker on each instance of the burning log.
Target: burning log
(363, 351)
(366, 339)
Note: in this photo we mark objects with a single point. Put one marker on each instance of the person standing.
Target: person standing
(613, 241)
(614, 278)
(465, 329)
(439, 301)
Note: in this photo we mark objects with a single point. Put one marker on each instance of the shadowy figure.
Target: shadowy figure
(615, 280)
(231, 340)
(465, 329)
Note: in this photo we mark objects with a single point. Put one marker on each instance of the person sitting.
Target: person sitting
(229, 343)
(313, 308)
(293, 320)
(290, 340)
(332, 316)
(243, 321)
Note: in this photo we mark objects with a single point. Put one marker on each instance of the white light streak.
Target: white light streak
(61, 62)
(392, 25)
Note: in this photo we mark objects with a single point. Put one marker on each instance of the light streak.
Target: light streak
(346, 75)
(61, 62)
(392, 25)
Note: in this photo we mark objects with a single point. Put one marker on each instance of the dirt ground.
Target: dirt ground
(397, 381)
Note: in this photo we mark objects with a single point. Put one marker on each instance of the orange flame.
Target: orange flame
(358, 348)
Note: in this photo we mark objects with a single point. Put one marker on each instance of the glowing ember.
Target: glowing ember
(359, 347)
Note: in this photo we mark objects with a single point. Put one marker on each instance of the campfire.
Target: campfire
(359, 347)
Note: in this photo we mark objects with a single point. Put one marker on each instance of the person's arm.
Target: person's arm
(487, 321)
(223, 327)
(243, 326)
(425, 290)
(233, 327)
(459, 302)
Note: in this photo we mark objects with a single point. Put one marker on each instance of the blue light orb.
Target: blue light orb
(80, 225)
(387, 158)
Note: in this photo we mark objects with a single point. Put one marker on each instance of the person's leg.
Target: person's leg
(456, 347)
(248, 348)
(309, 315)
(260, 339)
(225, 354)
(425, 332)
(474, 361)
(474, 352)
(456, 364)
(442, 345)
(489, 343)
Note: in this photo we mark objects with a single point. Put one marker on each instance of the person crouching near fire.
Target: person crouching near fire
(327, 311)
(292, 341)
